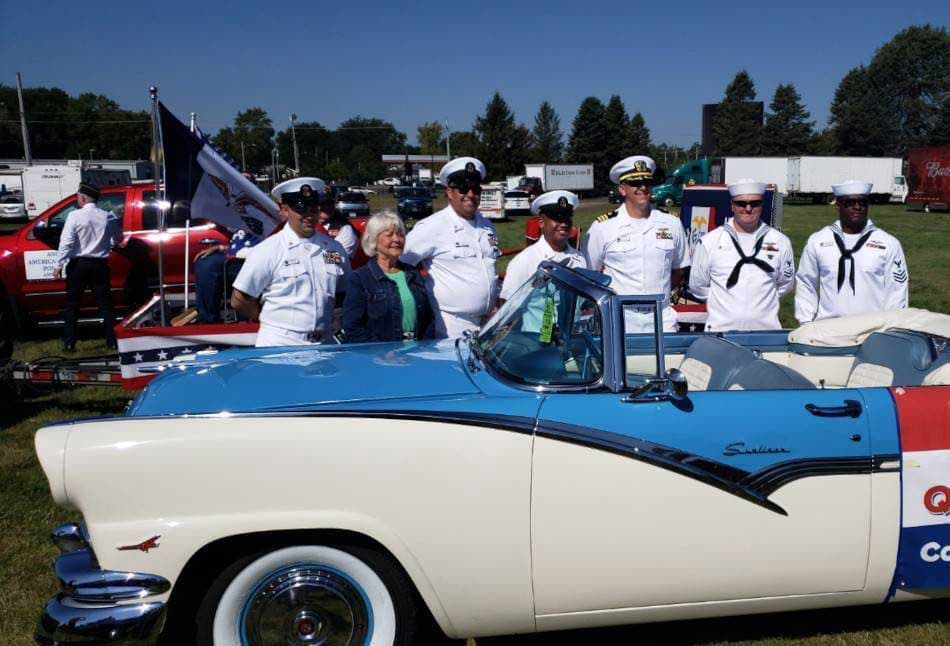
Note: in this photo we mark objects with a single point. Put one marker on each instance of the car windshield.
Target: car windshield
(352, 197)
(546, 334)
(413, 192)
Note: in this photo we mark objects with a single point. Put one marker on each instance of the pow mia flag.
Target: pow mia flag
(199, 175)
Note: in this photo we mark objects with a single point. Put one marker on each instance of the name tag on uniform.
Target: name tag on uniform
(769, 246)
(332, 258)
(874, 244)
(826, 244)
(460, 244)
(290, 262)
(664, 234)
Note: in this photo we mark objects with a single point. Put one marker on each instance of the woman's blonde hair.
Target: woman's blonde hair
(382, 221)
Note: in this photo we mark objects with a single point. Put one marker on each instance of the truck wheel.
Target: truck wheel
(309, 594)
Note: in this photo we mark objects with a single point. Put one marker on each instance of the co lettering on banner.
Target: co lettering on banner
(937, 500)
(933, 551)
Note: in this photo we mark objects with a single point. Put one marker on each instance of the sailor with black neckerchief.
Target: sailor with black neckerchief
(743, 268)
(644, 251)
(851, 266)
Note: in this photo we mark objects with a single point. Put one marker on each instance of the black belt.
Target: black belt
(747, 260)
(848, 254)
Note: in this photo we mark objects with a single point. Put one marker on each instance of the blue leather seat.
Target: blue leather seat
(895, 358)
(711, 362)
(762, 374)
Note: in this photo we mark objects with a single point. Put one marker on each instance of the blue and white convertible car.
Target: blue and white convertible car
(551, 472)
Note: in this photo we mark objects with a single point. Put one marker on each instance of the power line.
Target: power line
(75, 122)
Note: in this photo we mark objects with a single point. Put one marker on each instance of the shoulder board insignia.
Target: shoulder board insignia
(603, 217)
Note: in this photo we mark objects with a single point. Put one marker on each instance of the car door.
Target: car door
(641, 502)
(44, 295)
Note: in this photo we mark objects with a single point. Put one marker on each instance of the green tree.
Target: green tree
(859, 117)
(616, 130)
(787, 130)
(588, 140)
(911, 76)
(548, 138)
(313, 146)
(822, 143)
(738, 124)
(463, 143)
(941, 132)
(638, 136)
(502, 145)
(431, 139)
(254, 130)
(376, 137)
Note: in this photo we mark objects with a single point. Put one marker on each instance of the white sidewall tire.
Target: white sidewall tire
(228, 612)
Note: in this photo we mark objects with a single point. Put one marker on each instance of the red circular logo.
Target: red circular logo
(937, 500)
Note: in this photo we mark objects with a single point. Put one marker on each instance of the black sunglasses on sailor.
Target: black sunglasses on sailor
(854, 202)
(464, 188)
(638, 183)
(744, 203)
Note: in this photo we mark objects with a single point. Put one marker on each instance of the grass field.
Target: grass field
(27, 513)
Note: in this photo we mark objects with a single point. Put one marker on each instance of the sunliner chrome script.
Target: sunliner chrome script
(739, 448)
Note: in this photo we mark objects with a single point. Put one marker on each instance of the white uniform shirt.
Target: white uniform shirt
(752, 302)
(523, 266)
(347, 238)
(297, 280)
(639, 255)
(880, 275)
(89, 232)
(460, 256)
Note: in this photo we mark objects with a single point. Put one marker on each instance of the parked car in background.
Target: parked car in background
(415, 203)
(352, 204)
(28, 292)
(517, 202)
(391, 181)
(362, 189)
(12, 207)
(565, 467)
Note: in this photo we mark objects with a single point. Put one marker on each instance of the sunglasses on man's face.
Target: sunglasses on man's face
(854, 202)
(638, 183)
(465, 188)
(746, 203)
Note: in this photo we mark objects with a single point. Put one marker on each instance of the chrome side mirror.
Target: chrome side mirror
(676, 384)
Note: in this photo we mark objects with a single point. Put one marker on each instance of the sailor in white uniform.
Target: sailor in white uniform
(644, 251)
(851, 266)
(743, 268)
(290, 281)
(556, 210)
(458, 247)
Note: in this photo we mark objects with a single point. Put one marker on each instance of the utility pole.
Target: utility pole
(293, 134)
(27, 155)
(243, 161)
(448, 139)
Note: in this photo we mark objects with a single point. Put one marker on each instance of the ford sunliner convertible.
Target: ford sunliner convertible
(550, 472)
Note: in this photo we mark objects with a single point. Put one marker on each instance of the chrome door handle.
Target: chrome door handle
(851, 408)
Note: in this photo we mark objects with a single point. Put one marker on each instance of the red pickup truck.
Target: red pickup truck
(30, 295)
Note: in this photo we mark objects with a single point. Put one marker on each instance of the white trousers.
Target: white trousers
(453, 325)
(269, 336)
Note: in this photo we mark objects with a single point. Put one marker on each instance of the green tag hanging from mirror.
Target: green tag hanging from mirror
(547, 320)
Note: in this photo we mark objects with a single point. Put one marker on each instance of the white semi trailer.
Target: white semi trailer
(812, 177)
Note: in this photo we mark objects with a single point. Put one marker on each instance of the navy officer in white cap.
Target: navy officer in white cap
(556, 209)
(850, 266)
(290, 281)
(458, 246)
(643, 250)
(743, 268)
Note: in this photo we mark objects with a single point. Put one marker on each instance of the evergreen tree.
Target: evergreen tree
(910, 75)
(860, 119)
(548, 144)
(463, 143)
(941, 132)
(616, 130)
(589, 140)
(313, 145)
(252, 128)
(787, 130)
(738, 125)
(501, 147)
(638, 136)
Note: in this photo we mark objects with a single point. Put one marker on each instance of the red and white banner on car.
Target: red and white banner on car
(923, 560)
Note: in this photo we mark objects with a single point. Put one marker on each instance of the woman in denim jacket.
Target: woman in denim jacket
(386, 300)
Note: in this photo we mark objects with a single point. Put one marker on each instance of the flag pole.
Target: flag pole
(156, 146)
(194, 125)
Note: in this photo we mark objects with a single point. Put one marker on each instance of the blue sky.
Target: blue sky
(415, 62)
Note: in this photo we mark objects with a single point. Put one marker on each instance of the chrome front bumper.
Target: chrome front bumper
(96, 606)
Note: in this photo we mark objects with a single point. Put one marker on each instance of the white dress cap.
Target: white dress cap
(853, 187)
(746, 186)
(562, 198)
(469, 164)
(635, 168)
(298, 184)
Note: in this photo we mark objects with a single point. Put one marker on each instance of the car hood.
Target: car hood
(270, 379)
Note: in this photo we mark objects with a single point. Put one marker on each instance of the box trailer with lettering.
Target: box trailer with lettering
(567, 177)
(46, 184)
(929, 177)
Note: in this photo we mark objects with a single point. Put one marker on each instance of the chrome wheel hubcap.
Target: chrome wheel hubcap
(305, 605)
